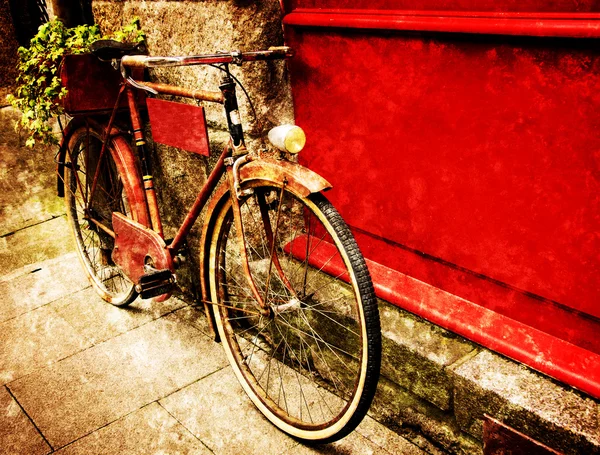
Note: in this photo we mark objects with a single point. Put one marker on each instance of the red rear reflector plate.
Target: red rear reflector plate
(179, 125)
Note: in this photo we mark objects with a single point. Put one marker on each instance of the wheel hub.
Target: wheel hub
(293, 304)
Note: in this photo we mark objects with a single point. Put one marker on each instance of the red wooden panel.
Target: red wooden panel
(482, 154)
(179, 125)
(475, 168)
(500, 439)
(574, 25)
(562, 6)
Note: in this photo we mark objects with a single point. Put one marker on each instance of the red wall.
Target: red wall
(461, 156)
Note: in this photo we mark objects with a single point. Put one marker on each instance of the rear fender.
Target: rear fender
(62, 153)
(124, 158)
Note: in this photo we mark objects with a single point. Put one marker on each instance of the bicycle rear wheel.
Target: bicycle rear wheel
(90, 215)
(311, 363)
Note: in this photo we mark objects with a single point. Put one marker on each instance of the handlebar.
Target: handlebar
(236, 57)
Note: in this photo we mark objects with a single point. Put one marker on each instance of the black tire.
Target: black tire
(311, 361)
(95, 245)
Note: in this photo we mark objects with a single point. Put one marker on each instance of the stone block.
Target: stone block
(386, 438)
(425, 425)
(416, 354)
(213, 26)
(531, 403)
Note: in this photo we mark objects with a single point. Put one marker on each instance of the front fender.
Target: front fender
(266, 171)
(299, 178)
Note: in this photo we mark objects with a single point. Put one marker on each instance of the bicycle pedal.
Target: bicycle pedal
(155, 283)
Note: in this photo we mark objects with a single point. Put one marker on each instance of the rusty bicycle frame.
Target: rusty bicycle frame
(235, 161)
(281, 275)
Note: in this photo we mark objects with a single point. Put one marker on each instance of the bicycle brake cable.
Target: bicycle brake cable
(256, 119)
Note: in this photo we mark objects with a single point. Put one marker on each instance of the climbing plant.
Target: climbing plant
(39, 92)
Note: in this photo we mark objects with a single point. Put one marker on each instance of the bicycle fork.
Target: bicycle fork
(239, 227)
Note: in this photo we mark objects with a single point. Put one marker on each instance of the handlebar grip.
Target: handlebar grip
(284, 51)
(134, 61)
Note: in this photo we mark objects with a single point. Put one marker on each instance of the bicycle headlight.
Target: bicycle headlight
(288, 138)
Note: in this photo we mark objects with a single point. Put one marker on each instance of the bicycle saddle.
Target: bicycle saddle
(107, 49)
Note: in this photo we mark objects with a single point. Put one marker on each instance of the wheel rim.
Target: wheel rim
(304, 364)
(94, 245)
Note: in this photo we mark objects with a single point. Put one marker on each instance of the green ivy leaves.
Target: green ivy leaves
(39, 92)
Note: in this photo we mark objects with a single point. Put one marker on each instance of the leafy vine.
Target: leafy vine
(39, 92)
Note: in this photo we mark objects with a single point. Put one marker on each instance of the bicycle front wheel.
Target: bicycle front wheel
(310, 360)
(90, 214)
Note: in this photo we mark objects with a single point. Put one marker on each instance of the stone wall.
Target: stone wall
(8, 52)
(196, 27)
(436, 388)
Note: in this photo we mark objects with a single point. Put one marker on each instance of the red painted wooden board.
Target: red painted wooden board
(500, 439)
(470, 163)
(179, 125)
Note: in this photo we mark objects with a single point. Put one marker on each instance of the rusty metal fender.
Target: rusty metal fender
(72, 126)
(62, 152)
(299, 178)
(124, 159)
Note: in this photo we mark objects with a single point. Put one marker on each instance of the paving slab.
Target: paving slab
(27, 179)
(194, 315)
(33, 287)
(150, 430)
(35, 244)
(98, 320)
(217, 411)
(93, 388)
(34, 340)
(386, 438)
(17, 433)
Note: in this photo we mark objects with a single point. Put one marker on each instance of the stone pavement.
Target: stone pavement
(79, 376)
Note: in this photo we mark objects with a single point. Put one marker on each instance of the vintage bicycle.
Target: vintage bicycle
(284, 285)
